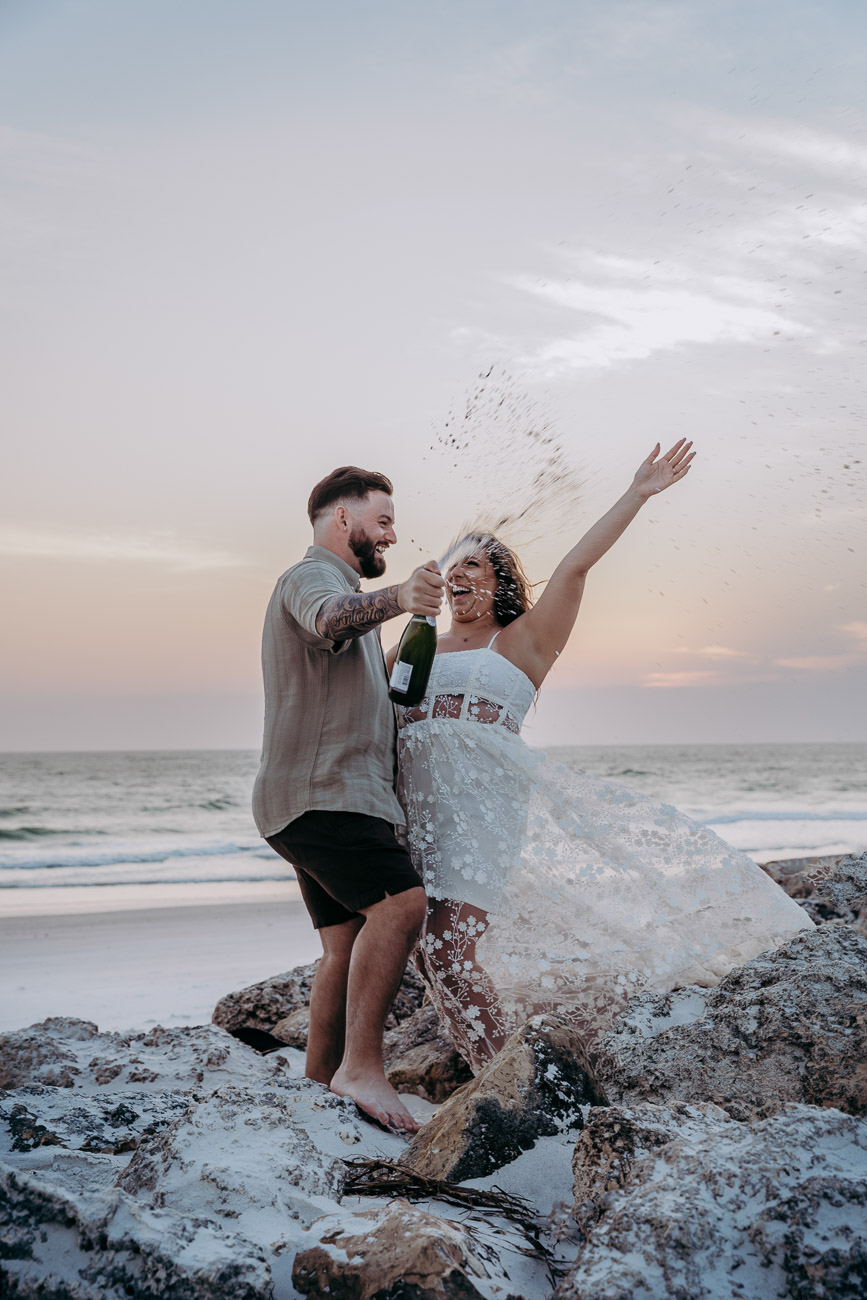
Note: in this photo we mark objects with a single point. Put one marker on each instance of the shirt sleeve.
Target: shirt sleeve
(305, 590)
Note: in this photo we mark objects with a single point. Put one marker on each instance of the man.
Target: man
(324, 797)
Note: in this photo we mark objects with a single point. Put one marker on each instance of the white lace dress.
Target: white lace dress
(550, 889)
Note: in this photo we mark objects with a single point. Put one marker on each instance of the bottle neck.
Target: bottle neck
(424, 618)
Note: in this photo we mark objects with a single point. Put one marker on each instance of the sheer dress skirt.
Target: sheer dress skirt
(586, 892)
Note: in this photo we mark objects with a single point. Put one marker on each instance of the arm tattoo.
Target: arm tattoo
(344, 617)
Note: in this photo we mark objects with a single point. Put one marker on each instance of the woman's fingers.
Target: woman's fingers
(677, 453)
(674, 450)
(683, 467)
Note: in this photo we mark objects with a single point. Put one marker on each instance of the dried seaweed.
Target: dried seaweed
(388, 1178)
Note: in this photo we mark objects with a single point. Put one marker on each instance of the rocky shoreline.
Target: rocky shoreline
(716, 1145)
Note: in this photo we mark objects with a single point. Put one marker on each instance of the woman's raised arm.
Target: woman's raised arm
(544, 629)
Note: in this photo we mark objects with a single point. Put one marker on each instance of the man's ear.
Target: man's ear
(341, 518)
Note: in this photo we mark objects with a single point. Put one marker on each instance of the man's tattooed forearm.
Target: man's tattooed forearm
(343, 617)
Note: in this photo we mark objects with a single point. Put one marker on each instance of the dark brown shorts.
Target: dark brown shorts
(344, 861)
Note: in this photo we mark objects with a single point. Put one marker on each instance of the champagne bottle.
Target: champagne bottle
(412, 665)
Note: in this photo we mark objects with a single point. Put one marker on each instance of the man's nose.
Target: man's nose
(390, 536)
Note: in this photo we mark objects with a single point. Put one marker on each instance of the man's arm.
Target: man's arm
(343, 617)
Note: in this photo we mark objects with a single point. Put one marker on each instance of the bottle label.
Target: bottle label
(432, 621)
(400, 675)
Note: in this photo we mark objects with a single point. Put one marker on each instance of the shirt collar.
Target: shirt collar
(323, 553)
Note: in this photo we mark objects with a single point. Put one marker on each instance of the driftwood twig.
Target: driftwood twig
(388, 1178)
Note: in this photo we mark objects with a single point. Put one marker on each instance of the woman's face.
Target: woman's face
(471, 585)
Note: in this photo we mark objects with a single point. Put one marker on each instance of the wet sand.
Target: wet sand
(101, 955)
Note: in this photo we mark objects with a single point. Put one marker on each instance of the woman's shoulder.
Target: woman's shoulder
(514, 642)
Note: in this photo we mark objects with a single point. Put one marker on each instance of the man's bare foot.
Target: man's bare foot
(375, 1098)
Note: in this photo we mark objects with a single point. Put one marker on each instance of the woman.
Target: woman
(550, 889)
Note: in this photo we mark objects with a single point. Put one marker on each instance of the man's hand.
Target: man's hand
(342, 618)
(422, 593)
(654, 475)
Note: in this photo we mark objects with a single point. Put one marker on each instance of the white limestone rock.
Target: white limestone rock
(68, 1053)
(108, 1123)
(788, 1026)
(108, 1247)
(828, 888)
(776, 1207)
(242, 1155)
(616, 1138)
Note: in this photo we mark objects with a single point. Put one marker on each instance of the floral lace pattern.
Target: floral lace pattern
(553, 890)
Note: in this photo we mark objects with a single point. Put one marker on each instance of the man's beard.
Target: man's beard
(364, 549)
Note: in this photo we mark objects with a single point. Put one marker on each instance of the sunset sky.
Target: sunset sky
(245, 242)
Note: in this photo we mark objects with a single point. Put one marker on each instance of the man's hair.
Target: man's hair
(347, 481)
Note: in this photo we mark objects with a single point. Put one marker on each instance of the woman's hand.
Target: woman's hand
(654, 475)
(534, 640)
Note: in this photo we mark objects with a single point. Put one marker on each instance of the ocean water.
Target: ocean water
(154, 818)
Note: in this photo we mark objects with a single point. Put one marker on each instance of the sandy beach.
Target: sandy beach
(128, 956)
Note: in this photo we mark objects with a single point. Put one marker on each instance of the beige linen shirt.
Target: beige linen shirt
(329, 724)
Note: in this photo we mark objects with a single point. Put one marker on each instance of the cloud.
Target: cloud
(820, 663)
(722, 655)
(829, 663)
(832, 662)
(715, 652)
(820, 149)
(101, 547)
(857, 629)
(694, 677)
(633, 310)
(750, 245)
(807, 235)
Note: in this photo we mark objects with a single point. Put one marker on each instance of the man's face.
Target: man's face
(372, 532)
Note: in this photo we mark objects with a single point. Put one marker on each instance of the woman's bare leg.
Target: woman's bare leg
(462, 989)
